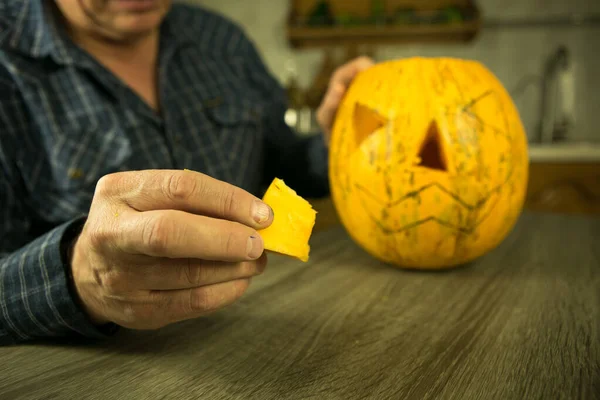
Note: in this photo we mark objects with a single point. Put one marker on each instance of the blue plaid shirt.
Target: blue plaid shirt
(65, 121)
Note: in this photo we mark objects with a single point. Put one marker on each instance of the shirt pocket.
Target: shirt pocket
(89, 146)
(74, 153)
(238, 123)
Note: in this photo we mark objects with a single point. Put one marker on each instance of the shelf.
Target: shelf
(303, 37)
(419, 23)
(557, 21)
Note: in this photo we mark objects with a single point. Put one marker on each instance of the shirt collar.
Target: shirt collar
(33, 30)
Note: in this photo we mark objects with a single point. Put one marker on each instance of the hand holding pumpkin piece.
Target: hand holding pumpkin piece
(163, 246)
(293, 222)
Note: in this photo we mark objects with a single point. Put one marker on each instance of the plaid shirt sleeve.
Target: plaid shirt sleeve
(36, 298)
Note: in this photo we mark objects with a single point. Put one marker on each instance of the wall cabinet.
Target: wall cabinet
(324, 23)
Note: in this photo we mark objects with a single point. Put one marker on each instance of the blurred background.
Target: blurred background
(545, 52)
(524, 42)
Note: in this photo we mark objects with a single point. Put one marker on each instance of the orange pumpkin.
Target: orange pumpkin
(293, 222)
(428, 162)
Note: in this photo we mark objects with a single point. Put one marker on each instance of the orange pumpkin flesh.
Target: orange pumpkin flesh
(428, 162)
(293, 222)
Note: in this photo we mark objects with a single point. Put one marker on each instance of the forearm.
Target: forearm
(36, 296)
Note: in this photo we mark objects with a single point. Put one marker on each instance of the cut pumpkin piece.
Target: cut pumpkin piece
(293, 222)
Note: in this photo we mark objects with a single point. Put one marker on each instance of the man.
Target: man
(136, 137)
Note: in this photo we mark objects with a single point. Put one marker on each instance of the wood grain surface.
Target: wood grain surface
(523, 322)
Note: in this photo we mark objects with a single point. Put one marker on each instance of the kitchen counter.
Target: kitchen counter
(521, 322)
(568, 152)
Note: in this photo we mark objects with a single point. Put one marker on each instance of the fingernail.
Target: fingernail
(261, 212)
(254, 247)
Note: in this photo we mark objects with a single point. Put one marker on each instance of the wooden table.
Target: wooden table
(521, 323)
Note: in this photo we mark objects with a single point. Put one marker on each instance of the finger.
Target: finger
(346, 73)
(328, 110)
(187, 191)
(337, 89)
(180, 305)
(156, 309)
(176, 234)
(176, 274)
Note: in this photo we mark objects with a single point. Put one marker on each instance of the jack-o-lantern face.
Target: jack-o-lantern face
(428, 162)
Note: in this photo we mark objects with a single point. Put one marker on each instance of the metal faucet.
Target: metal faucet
(554, 124)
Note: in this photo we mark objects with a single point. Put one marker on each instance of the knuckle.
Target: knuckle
(201, 300)
(230, 201)
(113, 282)
(98, 235)
(192, 273)
(107, 184)
(229, 244)
(180, 186)
(155, 234)
(129, 315)
(150, 311)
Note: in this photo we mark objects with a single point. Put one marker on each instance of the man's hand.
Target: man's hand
(165, 246)
(339, 83)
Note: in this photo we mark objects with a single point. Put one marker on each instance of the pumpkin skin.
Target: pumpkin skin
(428, 162)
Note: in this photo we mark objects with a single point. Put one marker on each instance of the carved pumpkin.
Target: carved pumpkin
(293, 222)
(428, 162)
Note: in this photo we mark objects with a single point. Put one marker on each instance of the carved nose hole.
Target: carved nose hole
(431, 154)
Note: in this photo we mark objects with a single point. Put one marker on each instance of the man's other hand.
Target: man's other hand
(338, 85)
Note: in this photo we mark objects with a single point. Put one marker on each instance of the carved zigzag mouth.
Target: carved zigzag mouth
(394, 227)
(431, 155)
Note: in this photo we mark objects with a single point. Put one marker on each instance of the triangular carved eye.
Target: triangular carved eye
(366, 121)
(431, 154)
